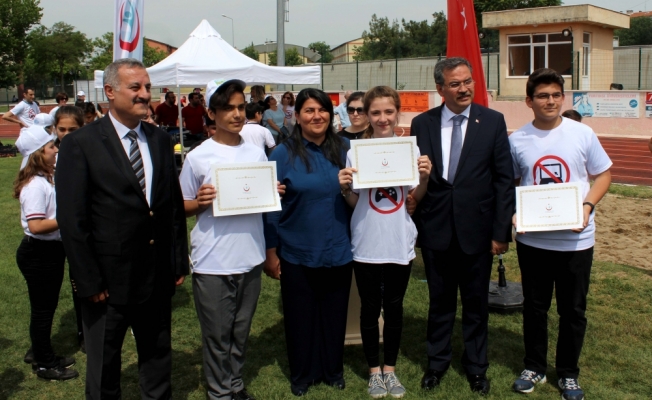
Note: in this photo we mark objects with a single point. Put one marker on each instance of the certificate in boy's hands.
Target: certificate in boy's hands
(552, 207)
(385, 162)
(245, 188)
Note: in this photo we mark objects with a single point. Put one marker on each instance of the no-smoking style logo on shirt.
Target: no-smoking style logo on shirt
(550, 169)
(386, 200)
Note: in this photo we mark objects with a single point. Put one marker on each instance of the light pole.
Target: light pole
(267, 43)
(232, 30)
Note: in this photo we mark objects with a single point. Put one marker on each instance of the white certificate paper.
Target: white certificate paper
(550, 207)
(245, 188)
(385, 162)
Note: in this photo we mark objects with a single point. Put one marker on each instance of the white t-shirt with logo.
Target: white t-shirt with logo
(257, 135)
(222, 245)
(382, 231)
(26, 112)
(568, 153)
(38, 201)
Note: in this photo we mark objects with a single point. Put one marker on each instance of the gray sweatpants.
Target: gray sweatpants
(225, 307)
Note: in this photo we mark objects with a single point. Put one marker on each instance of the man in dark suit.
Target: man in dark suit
(122, 221)
(464, 218)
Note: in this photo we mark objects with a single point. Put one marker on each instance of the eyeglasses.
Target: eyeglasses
(456, 85)
(353, 110)
(546, 96)
(287, 98)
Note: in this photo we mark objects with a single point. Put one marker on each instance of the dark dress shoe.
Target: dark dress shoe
(431, 379)
(479, 383)
(299, 390)
(242, 395)
(338, 384)
(29, 356)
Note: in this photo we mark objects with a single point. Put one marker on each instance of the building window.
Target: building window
(586, 51)
(528, 53)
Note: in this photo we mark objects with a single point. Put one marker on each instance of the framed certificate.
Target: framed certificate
(385, 162)
(552, 207)
(245, 188)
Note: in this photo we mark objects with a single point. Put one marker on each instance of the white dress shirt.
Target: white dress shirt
(144, 151)
(447, 133)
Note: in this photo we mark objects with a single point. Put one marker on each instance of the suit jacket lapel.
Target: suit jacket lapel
(116, 150)
(472, 131)
(154, 153)
(435, 140)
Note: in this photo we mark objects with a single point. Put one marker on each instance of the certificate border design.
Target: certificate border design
(547, 189)
(400, 142)
(217, 186)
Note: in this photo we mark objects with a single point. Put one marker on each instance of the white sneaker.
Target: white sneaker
(377, 388)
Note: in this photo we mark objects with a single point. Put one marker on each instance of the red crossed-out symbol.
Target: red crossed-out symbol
(648, 98)
(550, 169)
(397, 204)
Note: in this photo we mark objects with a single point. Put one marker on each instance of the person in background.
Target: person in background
(44, 120)
(572, 114)
(559, 261)
(257, 94)
(382, 261)
(309, 243)
(193, 116)
(81, 99)
(14, 99)
(340, 111)
(253, 132)
(184, 101)
(90, 113)
(61, 98)
(167, 114)
(273, 118)
(357, 117)
(40, 255)
(287, 101)
(24, 112)
(100, 112)
(150, 116)
(210, 132)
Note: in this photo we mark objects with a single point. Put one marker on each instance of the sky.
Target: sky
(332, 21)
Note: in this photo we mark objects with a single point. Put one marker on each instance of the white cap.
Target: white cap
(43, 120)
(81, 93)
(30, 140)
(212, 86)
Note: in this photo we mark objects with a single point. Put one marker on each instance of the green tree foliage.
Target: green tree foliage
(251, 52)
(16, 19)
(638, 34)
(386, 40)
(292, 57)
(323, 49)
(490, 41)
(103, 53)
(59, 49)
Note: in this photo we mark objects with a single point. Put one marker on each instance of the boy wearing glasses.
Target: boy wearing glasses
(549, 150)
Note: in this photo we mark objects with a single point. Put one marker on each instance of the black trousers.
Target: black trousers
(381, 285)
(42, 264)
(447, 271)
(105, 326)
(568, 273)
(315, 302)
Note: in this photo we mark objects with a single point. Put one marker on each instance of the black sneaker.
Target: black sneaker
(56, 374)
(63, 362)
(29, 356)
(242, 395)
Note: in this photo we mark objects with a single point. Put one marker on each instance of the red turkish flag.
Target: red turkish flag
(463, 41)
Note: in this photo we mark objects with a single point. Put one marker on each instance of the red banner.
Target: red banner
(463, 41)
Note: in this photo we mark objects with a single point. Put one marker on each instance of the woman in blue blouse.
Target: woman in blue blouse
(310, 244)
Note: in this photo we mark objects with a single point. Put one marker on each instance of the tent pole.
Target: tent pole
(180, 122)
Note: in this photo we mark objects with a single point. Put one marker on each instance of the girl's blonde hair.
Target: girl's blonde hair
(376, 93)
(36, 165)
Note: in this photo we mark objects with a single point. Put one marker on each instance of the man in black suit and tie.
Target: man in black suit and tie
(464, 218)
(122, 221)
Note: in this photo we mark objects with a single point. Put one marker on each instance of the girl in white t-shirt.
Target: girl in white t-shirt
(382, 240)
(40, 256)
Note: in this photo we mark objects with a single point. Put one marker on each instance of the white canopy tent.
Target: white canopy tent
(205, 56)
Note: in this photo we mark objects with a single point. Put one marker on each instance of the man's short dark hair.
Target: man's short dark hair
(220, 99)
(251, 109)
(28, 88)
(447, 65)
(192, 95)
(572, 114)
(168, 94)
(61, 96)
(543, 76)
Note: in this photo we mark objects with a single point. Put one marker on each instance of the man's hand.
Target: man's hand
(280, 188)
(272, 265)
(410, 204)
(587, 215)
(205, 195)
(179, 280)
(499, 247)
(100, 297)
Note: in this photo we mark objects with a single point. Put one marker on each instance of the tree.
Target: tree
(58, 49)
(638, 34)
(292, 57)
(251, 52)
(16, 19)
(324, 51)
(103, 53)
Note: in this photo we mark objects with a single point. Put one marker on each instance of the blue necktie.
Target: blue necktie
(136, 159)
(456, 147)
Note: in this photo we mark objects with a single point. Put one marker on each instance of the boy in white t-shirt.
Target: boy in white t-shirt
(253, 131)
(227, 252)
(549, 150)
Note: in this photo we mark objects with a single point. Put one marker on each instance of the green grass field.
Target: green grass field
(616, 361)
